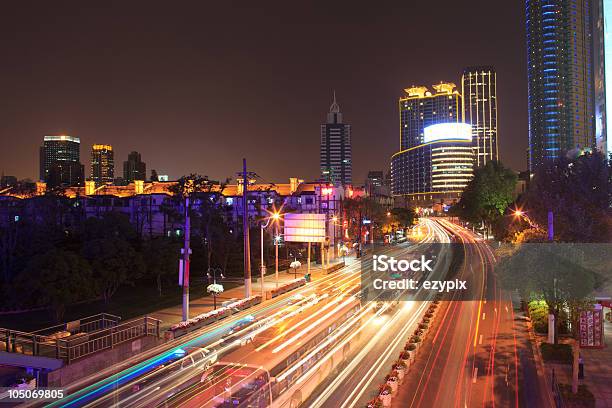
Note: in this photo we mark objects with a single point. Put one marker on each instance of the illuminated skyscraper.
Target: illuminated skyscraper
(602, 52)
(479, 90)
(559, 71)
(336, 161)
(435, 161)
(60, 162)
(102, 163)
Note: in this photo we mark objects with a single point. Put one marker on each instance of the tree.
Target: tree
(154, 176)
(55, 279)
(559, 274)
(114, 262)
(578, 192)
(488, 194)
(161, 259)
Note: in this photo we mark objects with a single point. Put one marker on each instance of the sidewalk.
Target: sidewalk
(198, 305)
(597, 370)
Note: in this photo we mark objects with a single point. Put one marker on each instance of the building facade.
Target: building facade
(479, 90)
(435, 160)
(102, 164)
(336, 156)
(602, 51)
(60, 161)
(559, 71)
(134, 168)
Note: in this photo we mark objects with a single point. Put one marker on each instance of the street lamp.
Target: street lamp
(275, 217)
(521, 214)
(334, 222)
(214, 290)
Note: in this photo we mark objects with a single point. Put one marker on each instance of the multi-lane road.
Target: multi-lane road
(321, 346)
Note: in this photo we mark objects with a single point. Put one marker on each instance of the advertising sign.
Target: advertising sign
(591, 328)
(304, 227)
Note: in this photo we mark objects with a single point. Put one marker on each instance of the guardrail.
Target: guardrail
(73, 345)
(559, 402)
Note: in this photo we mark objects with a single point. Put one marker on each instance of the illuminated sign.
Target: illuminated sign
(304, 227)
(445, 131)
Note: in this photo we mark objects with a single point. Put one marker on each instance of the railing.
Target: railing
(559, 402)
(88, 324)
(81, 343)
(79, 347)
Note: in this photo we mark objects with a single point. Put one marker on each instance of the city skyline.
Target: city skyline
(118, 95)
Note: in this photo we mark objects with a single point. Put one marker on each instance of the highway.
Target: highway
(170, 370)
(473, 359)
(357, 382)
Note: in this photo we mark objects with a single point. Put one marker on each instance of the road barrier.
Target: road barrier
(288, 287)
(207, 318)
(406, 359)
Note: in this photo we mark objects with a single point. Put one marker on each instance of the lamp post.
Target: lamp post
(274, 218)
(214, 276)
(521, 214)
(334, 221)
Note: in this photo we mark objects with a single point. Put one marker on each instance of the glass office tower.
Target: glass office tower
(559, 71)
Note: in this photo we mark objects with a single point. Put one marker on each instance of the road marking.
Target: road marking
(480, 340)
(475, 375)
(477, 323)
(484, 315)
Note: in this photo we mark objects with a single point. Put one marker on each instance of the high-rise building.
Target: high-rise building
(435, 160)
(559, 71)
(336, 161)
(479, 90)
(134, 168)
(375, 179)
(102, 163)
(62, 153)
(602, 51)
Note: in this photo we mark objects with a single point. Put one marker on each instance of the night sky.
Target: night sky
(196, 86)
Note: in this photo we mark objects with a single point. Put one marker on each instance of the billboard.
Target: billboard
(304, 227)
(445, 131)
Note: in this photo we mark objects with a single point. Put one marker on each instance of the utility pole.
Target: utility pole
(245, 227)
(186, 251)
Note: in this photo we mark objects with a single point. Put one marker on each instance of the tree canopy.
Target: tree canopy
(488, 194)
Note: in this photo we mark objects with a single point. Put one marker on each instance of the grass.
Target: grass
(584, 398)
(129, 302)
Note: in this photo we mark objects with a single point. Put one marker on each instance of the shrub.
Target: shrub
(400, 365)
(415, 339)
(418, 332)
(410, 347)
(584, 397)
(426, 320)
(423, 326)
(558, 353)
(384, 389)
(428, 315)
(404, 355)
(538, 312)
(375, 403)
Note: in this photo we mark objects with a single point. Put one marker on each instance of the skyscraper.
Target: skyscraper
(435, 160)
(62, 155)
(336, 161)
(602, 51)
(479, 90)
(559, 71)
(102, 163)
(134, 168)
